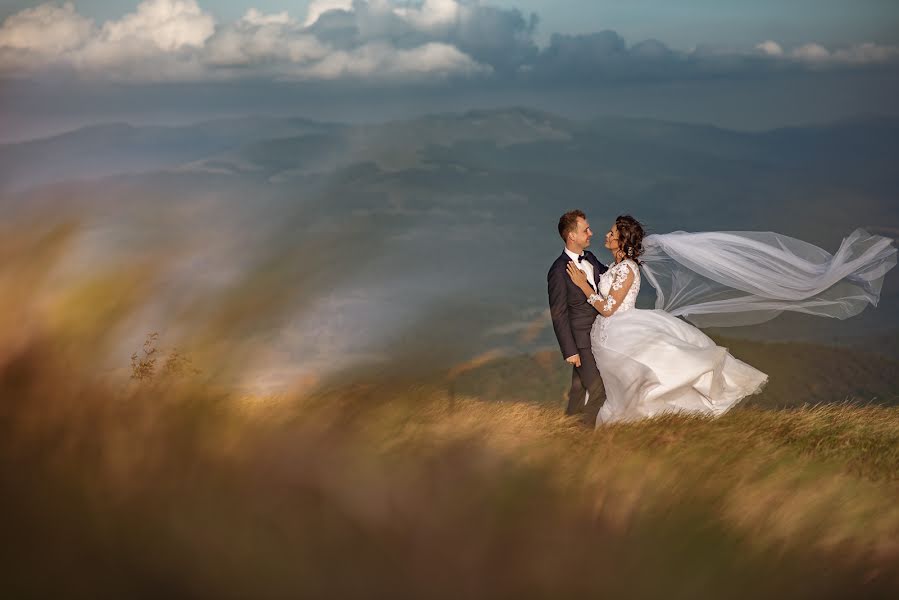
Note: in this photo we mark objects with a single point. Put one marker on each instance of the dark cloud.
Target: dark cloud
(498, 37)
(338, 27)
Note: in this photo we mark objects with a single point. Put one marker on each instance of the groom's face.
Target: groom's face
(583, 233)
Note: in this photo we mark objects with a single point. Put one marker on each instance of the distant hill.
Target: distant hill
(886, 344)
(115, 148)
(431, 236)
(857, 142)
(100, 150)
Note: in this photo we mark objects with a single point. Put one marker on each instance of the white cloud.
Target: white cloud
(432, 13)
(254, 17)
(157, 42)
(260, 39)
(319, 7)
(375, 39)
(811, 53)
(386, 61)
(178, 40)
(815, 54)
(148, 44)
(168, 24)
(46, 30)
(771, 48)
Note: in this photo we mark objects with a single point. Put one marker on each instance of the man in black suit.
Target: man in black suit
(571, 315)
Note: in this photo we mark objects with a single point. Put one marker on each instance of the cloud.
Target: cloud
(811, 53)
(372, 40)
(867, 53)
(770, 48)
(169, 25)
(606, 56)
(265, 40)
(499, 38)
(817, 55)
(433, 13)
(254, 17)
(386, 61)
(46, 30)
(152, 43)
(177, 40)
(319, 7)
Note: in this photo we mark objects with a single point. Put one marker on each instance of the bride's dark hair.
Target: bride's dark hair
(630, 236)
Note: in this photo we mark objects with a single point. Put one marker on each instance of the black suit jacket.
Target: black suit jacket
(572, 316)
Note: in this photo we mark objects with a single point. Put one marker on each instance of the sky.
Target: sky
(738, 64)
(681, 23)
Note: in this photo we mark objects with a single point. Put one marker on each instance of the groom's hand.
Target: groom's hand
(575, 360)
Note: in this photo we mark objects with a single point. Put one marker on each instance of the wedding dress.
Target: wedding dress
(652, 362)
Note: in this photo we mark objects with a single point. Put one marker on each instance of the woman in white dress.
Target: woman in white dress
(652, 362)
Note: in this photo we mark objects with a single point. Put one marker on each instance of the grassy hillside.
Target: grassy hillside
(400, 492)
(798, 373)
(174, 485)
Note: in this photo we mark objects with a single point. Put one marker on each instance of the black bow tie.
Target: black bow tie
(581, 257)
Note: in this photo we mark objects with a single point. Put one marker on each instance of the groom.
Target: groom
(571, 315)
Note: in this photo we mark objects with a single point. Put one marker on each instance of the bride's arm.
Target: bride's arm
(622, 281)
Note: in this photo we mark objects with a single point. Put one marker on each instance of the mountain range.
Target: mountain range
(436, 232)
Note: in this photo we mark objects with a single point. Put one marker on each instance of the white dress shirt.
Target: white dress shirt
(583, 265)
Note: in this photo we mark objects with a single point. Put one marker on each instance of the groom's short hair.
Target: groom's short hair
(568, 222)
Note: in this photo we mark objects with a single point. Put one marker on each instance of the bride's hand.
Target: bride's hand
(577, 276)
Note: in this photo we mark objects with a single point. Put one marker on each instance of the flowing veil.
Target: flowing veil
(722, 279)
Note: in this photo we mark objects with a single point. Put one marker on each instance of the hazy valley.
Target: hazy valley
(429, 239)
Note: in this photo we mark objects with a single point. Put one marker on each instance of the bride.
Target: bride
(652, 362)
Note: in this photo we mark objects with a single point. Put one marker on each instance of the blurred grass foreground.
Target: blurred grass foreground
(171, 485)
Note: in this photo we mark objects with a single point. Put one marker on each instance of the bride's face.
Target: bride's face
(612, 239)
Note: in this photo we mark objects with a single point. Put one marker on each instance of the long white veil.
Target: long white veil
(722, 279)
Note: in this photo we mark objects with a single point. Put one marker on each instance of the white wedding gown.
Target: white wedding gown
(653, 363)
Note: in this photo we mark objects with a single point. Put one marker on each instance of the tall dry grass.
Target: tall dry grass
(178, 487)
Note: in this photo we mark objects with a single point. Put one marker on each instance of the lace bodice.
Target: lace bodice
(615, 277)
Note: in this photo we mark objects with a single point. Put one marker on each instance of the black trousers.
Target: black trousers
(583, 379)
